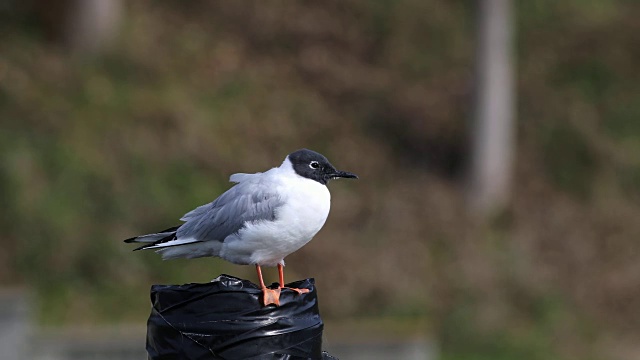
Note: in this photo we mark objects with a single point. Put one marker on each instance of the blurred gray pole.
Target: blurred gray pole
(84, 26)
(14, 324)
(492, 136)
(92, 24)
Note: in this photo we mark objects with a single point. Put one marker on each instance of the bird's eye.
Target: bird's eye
(314, 165)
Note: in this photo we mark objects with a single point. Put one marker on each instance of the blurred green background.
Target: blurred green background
(100, 147)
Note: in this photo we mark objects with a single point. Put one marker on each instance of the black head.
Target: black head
(314, 166)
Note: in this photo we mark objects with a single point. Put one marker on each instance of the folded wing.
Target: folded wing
(251, 199)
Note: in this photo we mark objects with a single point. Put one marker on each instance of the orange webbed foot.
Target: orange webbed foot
(270, 296)
(299, 291)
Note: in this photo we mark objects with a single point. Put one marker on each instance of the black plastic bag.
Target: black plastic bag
(224, 319)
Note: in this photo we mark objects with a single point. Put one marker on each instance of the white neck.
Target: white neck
(286, 166)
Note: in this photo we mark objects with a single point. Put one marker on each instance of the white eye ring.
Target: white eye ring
(314, 165)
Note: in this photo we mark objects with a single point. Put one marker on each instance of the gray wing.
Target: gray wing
(245, 202)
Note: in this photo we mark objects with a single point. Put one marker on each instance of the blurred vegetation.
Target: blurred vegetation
(96, 150)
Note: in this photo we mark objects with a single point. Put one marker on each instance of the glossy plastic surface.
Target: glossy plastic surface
(224, 319)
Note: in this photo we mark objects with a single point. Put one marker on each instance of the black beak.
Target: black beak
(343, 174)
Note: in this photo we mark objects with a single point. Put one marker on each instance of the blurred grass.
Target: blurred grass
(96, 150)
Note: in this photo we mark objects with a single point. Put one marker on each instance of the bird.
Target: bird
(260, 220)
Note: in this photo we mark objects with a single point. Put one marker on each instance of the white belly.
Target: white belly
(297, 221)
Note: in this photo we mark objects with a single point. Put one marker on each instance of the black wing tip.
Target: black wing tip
(132, 240)
(169, 230)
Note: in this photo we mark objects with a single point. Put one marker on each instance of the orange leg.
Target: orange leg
(281, 276)
(269, 296)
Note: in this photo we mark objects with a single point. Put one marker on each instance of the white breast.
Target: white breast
(305, 210)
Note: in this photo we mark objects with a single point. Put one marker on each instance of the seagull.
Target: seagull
(259, 221)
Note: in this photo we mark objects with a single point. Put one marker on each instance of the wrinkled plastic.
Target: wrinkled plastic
(224, 319)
